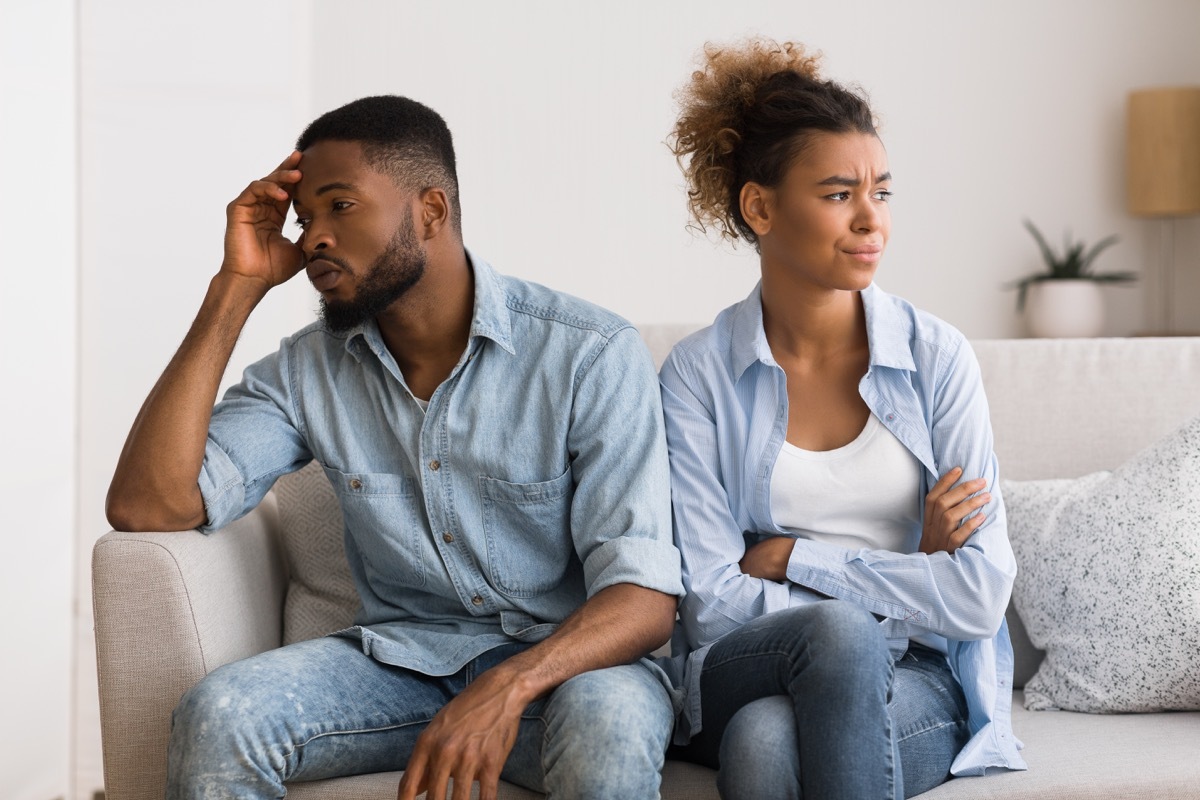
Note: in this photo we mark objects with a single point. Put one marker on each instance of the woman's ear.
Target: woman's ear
(755, 201)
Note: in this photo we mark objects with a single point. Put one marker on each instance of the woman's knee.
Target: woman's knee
(760, 752)
(840, 632)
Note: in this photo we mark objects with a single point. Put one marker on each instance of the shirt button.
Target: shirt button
(477, 600)
(435, 465)
(355, 484)
(447, 537)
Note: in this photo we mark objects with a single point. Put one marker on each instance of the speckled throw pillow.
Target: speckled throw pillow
(1108, 581)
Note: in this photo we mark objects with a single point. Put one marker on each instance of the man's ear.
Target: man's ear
(433, 213)
(755, 202)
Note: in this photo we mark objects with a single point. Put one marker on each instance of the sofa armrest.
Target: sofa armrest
(169, 609)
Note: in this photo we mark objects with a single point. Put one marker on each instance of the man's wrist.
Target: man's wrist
(519, 677)
(232, 290)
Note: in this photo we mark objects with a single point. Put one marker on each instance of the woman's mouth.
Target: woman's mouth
(867, 253)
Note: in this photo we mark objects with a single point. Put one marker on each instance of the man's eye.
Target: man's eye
(341, 205)
(883, 195)
(301, 222)
(839, 196)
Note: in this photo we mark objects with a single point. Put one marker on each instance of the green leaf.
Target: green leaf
(1074, 263)
(1096, 250)
(1047, 254)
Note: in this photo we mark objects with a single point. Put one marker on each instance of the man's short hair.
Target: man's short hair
(401, 137)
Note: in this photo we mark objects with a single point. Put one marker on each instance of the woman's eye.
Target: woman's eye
(301, 222)
(341, 205)
(838, 196)
(883, 195)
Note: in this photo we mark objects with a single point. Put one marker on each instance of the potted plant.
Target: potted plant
(1065, 301)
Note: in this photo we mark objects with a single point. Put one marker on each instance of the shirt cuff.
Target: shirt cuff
(628, 559)
(222, 488)
(813, 563)
(831, 570)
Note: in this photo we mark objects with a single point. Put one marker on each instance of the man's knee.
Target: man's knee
(607, 734)
(223, 710)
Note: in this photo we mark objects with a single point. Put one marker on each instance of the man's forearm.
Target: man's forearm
(155, 484)
(618, 625)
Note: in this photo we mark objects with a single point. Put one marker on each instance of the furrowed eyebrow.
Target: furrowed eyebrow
(331, 187)
(840, 180)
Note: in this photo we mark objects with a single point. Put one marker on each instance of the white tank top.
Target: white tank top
(866, 494)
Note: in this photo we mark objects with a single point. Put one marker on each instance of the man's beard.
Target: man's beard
(393, 273)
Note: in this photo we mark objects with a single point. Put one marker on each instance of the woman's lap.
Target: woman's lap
(827, 665)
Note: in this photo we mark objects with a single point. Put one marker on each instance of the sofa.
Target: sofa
(170, 607)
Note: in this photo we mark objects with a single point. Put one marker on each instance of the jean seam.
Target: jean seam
(356, 731)
(930, 729)
(742, 657)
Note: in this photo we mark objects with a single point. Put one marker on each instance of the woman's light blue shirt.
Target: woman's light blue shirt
(725, 401)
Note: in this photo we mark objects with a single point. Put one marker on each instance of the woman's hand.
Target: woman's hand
(947, 508)
(768, 559)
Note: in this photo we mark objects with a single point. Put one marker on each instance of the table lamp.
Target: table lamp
(1163, 173)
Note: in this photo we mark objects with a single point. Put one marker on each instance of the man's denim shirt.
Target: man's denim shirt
(725, 399)
(537, 477)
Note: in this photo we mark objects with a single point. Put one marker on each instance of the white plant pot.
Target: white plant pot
(1064, 309)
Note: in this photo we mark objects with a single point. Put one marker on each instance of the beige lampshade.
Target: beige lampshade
(1163, 152)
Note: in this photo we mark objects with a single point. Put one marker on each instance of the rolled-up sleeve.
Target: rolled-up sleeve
(253, 438)
(620, 512)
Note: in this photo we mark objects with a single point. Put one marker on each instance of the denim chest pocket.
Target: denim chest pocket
(528, 531)
(383, 520)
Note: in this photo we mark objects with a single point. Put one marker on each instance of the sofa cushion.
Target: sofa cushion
(321, 597)
(1108, 581)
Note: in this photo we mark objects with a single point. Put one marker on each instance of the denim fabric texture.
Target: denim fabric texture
(537, 477)
(807, 702)
(725, 401)
(323, 708)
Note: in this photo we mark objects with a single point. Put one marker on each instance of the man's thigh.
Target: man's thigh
(311, 710)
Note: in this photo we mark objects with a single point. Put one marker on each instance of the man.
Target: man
(498, 453)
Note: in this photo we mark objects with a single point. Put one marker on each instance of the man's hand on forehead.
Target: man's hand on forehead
(255, 246)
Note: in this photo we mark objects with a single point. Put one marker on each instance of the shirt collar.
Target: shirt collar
(490, 317)
(749, 339)
(889, 332)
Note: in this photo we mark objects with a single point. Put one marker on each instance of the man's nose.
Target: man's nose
(317, 237)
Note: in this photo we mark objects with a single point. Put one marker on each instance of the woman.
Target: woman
(844, 621)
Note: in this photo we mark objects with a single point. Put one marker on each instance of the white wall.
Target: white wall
(37, 403)
(182, 106)
(991, 113)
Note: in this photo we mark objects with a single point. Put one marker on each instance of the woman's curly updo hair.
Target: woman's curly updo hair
(745, 116)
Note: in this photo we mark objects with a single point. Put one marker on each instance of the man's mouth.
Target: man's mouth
(323, 274)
